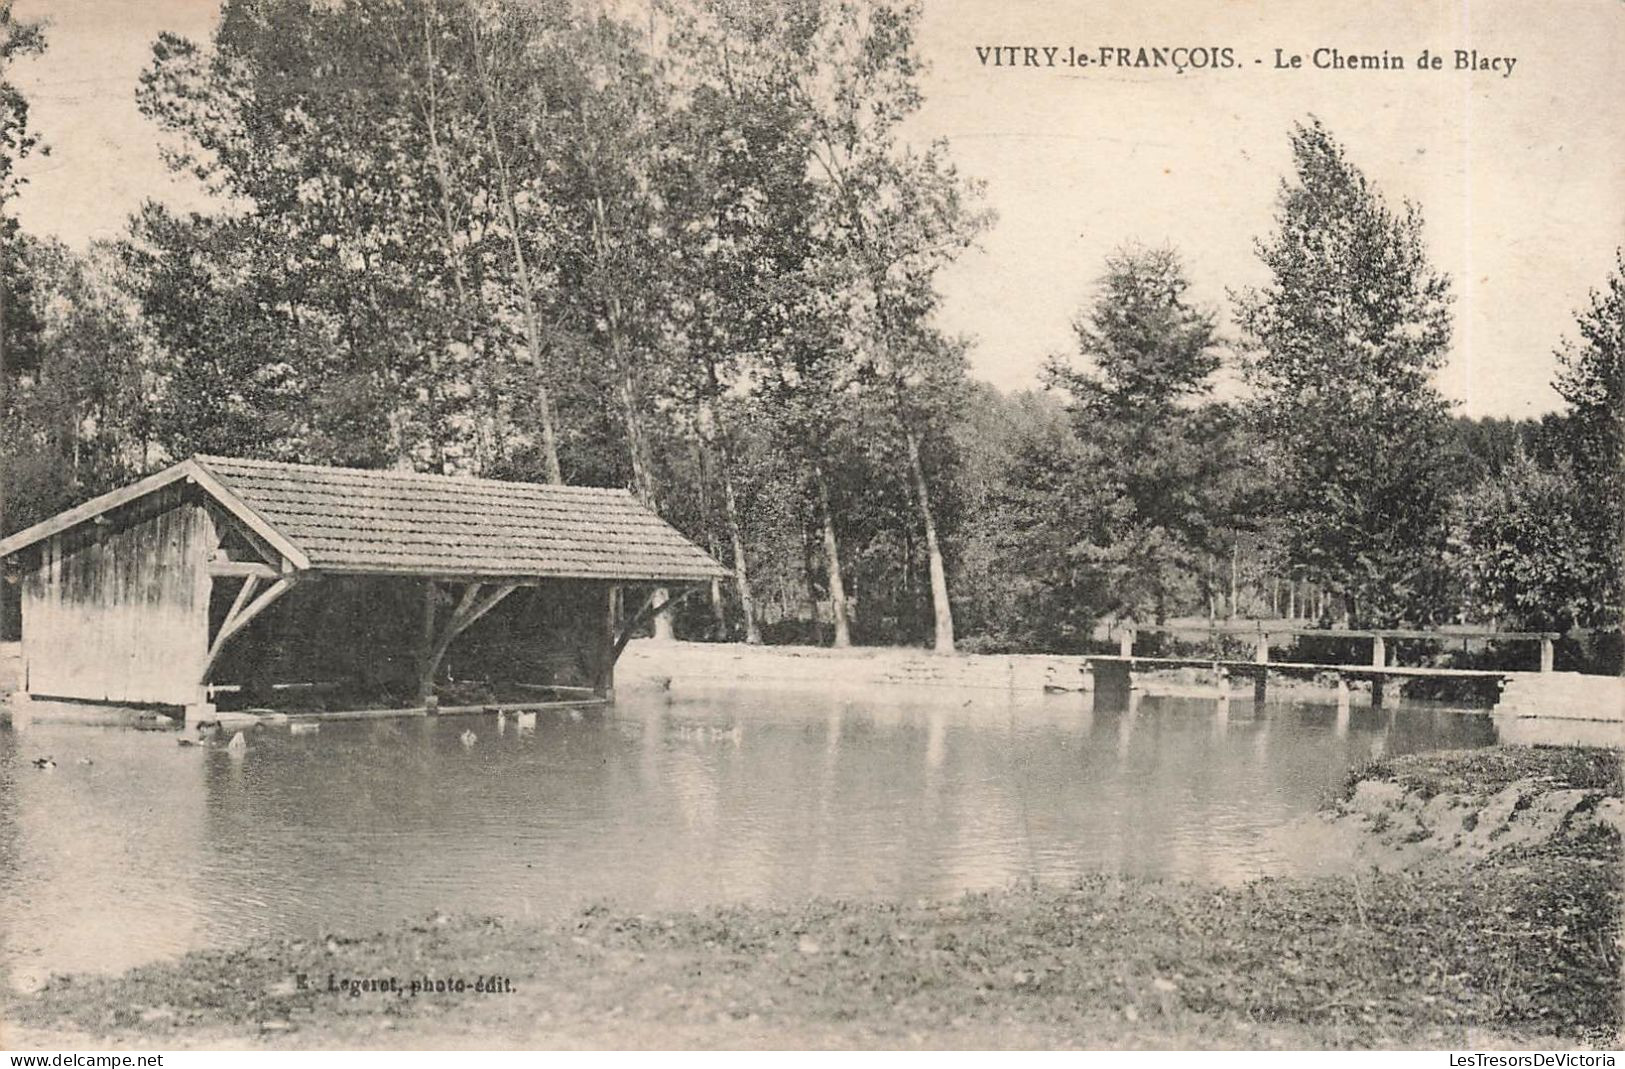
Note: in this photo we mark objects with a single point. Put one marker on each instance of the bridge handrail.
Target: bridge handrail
(1257, 626)
(1127, 631)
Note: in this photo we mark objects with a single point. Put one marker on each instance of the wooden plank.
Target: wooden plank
(225, 518)
(243, 617)
(471, 593)
(650, 608)
(186, 470)
(450, 710)
(257, 523)
(1256, 627)
(120, 617)
(1359, 671)
(524, 575)
(244, 594)
(485, 605)
(228, 569)
(91, 509)
(469, 610)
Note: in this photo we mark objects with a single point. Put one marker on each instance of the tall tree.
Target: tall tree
(736, 201)
(513, 89)
(18, 38)
(890, 216)
(1148, 355)
(1521, 549)
(347, 146)
(1344, 342)
(1591, 378)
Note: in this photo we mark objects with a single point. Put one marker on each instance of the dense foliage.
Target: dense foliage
(694, 254)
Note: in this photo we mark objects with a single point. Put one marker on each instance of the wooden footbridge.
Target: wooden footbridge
(1120, 673)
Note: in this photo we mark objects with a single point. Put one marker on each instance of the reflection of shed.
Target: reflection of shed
(244, 578)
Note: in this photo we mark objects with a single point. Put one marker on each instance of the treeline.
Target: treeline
(690, 251)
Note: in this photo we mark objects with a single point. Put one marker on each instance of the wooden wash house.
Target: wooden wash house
(224, 582)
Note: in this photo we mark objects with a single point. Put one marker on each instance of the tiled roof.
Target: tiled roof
(347, 519)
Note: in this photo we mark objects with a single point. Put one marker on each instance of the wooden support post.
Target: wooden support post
(199, 709)
(604, 685)
(1379, 652)
(469, 609)
(1260, 686)
(1547, 654)
(425, 651)
(1261, 652)
(1125, 642)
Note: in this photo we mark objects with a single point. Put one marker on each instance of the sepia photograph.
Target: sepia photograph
(880, 525)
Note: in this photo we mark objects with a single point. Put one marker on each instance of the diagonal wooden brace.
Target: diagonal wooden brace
(242, 613)
(470, 607)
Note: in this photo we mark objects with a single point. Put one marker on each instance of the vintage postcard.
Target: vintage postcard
(792, 524)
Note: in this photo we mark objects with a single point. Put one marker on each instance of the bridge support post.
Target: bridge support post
(1125, 642)
(1260, 686)
(1261, 652)
(1377, 694)
(1547, 654)
(1112, 687)
(1379, 652)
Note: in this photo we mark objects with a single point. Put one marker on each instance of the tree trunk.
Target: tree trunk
(533, 329)
(832, 557)
(1235, 551)
(730, 507)
(809, 582)
(942, 611)
(5, 470)
(717, 610)
(431, 120)
(662, 620)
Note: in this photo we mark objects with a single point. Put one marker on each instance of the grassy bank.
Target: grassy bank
(1481, 773)
(1521, 948)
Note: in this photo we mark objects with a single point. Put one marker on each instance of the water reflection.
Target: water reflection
(666, 801)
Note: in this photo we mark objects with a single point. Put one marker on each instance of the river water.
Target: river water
(134, 848)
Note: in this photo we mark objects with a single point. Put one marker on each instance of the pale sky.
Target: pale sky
(1521, 179)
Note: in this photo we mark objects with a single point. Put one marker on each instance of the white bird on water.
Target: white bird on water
(468, 738)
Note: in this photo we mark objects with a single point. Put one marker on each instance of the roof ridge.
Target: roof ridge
(207, 459)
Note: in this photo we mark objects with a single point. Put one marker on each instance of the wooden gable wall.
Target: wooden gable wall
(118, 611)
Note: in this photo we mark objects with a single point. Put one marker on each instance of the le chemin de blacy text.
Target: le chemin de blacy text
(1180, 59)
